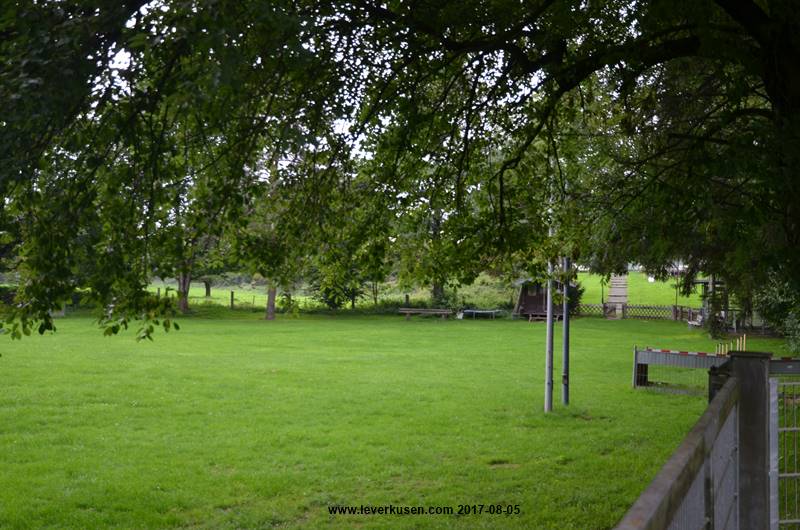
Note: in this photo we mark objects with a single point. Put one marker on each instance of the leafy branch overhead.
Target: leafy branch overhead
(136, 132)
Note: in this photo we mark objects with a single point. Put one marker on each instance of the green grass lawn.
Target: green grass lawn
(244, 296)
(252, 424)
(640, 291)
(485, 292)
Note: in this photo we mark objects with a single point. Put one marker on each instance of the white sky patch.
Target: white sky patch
(342, 126)
(121, 60)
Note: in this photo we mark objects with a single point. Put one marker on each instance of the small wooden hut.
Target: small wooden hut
(532, 301)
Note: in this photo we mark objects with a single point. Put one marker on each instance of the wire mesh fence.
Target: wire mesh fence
(699, 486)
(749, 472)
(677, 380)
(788, 460)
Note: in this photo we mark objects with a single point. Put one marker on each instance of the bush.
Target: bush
(778, 303)
(575, 294)
(7, 294)
(288, 305)
(487, 292)
(335, 296)
(715, 324)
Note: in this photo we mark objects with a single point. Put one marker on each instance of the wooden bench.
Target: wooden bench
(408, 311)
(538, 317)
(695, 319)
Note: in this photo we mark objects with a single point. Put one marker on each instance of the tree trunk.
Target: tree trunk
(375, 293)
(437, 289)
(272, 292)
(437, 292)
(208, 288)
(184, 281)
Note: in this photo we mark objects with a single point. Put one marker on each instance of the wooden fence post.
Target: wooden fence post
(752, 371)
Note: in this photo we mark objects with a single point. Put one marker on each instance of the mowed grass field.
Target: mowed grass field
(253, 424)
(244, 296)
(640, 291)
(486, 292)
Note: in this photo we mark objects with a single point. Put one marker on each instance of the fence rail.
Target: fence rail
(732, 469)
(644, 359)
(697, 487)
(734, 319)
(651, 312)
(591, 310)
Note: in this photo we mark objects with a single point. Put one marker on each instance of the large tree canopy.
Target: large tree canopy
(646, 130)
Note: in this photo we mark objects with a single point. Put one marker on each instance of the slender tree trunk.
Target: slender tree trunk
(272, 291)
(375, 293)
(437, 292)
(437, 289)
(184, 281)
(208, 288)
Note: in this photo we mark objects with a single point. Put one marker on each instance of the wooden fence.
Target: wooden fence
(591, 310)
(645, 312)
(735, 321)
(650, 312)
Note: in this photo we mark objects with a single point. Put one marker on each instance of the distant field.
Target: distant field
(640, 291)
(244, 295)
(256, 297)
(485, 292)
(252, 424)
